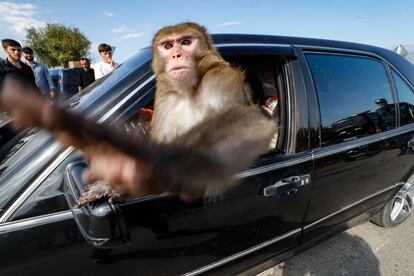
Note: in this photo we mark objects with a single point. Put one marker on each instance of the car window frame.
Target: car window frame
(345, 52)
(391, 68)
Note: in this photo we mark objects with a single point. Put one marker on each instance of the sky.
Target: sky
(130, 25)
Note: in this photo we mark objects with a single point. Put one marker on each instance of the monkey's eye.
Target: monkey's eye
(186, 42)
(168, 45)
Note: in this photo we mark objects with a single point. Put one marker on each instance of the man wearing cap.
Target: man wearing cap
(41, 72)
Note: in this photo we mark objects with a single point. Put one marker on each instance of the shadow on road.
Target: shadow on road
(343, 254)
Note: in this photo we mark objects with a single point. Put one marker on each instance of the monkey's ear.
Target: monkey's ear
(206, 35)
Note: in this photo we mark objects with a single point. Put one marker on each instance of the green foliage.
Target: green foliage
(56, 45)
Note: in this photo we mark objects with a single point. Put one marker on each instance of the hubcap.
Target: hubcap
(403, 203)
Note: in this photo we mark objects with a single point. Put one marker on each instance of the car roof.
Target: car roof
(403, 65)
(291, 40)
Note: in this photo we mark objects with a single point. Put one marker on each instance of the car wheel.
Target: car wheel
(398, 209)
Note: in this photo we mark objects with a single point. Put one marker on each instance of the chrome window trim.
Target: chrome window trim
(34, 221)
(226, 45)
(343, 209)
(336, 51)
(242, 254)
(363, 141)
(271, 167)
(291, 118)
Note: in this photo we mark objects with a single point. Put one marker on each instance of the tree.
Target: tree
(56, 45)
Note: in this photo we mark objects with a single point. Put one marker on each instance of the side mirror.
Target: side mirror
(100, 223)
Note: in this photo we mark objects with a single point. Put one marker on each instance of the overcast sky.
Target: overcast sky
(130, 25)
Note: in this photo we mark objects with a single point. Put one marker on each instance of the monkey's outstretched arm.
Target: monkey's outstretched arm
(203, 159)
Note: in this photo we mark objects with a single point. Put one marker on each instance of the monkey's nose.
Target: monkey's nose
(176, 55)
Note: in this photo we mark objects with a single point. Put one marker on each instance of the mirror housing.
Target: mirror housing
(100, 223)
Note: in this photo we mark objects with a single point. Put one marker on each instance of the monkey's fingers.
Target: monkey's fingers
(87, 198)
(96, 191)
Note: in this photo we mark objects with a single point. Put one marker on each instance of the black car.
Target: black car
(330, 170)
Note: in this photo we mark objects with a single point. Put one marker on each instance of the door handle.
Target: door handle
(287, 186)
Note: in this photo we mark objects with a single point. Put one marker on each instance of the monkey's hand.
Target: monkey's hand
(96, 191)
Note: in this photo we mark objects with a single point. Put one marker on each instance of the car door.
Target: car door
(356, 157)
(258, 218)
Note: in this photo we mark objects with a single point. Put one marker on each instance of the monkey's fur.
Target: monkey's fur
(204, 128)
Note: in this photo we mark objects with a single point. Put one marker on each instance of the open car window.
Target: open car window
(264, 77)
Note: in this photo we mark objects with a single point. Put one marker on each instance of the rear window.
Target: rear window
(355, 96)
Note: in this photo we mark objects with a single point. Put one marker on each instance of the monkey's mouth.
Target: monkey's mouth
(179, 68)
(179, 72)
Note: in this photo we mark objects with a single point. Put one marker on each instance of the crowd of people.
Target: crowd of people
(38, 73)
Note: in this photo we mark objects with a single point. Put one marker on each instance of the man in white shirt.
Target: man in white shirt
(107, 65)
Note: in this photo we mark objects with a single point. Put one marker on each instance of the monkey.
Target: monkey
(192, 79)
(203, 131)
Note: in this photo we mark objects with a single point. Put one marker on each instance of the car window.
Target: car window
(406, 99)
(48, 197)
(355, 96)
(265, 77)
(11, 142)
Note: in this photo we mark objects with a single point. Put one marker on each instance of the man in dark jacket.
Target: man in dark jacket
(87, 74)
(12, 64)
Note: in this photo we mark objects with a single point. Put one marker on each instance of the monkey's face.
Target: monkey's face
(178, 52)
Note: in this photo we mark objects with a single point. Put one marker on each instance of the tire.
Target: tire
(398, 209)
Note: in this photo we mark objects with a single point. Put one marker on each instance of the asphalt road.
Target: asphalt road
(363, 250)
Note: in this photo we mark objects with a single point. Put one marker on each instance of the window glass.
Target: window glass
(48, 198)
(406, 99)
(355, 96)
(10, 142)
